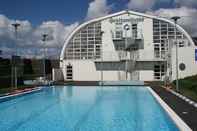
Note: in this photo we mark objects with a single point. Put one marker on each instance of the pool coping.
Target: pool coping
(8, 97)
(181, 125)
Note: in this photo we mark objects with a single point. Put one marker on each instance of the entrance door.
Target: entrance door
(69, 72)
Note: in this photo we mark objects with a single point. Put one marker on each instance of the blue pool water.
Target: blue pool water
(85, 109)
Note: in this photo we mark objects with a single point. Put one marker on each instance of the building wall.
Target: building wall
(156, 35)
(147, 75)
(57, 74)
(146, 70)
(186, 56)
(108, 49)
(85, 70)
(148, 52)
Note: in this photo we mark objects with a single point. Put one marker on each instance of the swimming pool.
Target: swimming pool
(85, 109)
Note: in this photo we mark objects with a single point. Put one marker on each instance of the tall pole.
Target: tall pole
(44, 37)
(126, 42)
(166, 58)
(102, 32)
(14, 68)
(126, 28)
(176, 18)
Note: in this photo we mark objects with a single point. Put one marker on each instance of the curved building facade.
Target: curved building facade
(127, 46)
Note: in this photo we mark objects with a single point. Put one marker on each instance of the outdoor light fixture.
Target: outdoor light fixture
(14, 69)
(44, 38)
(176, 18)
(102, 32)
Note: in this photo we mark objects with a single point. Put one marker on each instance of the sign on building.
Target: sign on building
(196, 55)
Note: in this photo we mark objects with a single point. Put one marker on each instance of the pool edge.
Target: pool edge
(181, 125)
(8, 97)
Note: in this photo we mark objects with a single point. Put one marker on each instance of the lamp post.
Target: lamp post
(176, 18)
(14, 68)
(102, 32)
(44, 38)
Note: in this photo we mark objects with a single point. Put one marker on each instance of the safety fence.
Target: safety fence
(25, 69)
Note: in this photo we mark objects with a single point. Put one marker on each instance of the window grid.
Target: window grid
(163, 31)
(85, 44)
(159, 71)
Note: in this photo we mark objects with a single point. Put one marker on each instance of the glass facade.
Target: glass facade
(134, 31)
(159, 71)
(86, 43)
(163, 32)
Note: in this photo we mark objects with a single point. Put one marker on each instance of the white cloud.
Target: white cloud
(97, 8)
(187, 11)
(144, 5)
(29, 41)
(188, 3)
(57, 32)
(188, 17)
(141, 5)
(30, 38)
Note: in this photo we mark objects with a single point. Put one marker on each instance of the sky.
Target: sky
(59, 17)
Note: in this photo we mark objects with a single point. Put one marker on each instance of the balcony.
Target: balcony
(108, 57)
(130, 42)
(118, 56)
(134, 43)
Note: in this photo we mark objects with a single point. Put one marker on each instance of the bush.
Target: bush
(189, 83)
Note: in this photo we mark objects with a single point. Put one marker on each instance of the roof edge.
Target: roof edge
(117, 14)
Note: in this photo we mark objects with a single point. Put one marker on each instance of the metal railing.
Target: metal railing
(119, 56)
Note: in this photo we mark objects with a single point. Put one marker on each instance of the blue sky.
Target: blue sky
(37, 11)
(60, 17)
(67, 11)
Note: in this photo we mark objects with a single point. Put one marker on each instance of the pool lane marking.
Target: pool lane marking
(87, 113)
(85, 116)
(13, 102)
(34, 115)
(21, 93)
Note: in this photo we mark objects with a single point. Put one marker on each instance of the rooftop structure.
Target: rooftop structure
(127, 46)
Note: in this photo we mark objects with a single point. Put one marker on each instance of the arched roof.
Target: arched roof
(117, 14)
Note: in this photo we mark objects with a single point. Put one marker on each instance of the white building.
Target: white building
(127, 46)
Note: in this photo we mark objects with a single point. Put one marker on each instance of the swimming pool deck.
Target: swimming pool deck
(186, 112)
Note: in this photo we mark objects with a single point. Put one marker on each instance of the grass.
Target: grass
(189, 93)
(188, 87)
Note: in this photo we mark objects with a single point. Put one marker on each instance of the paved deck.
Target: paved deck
(187, 112)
